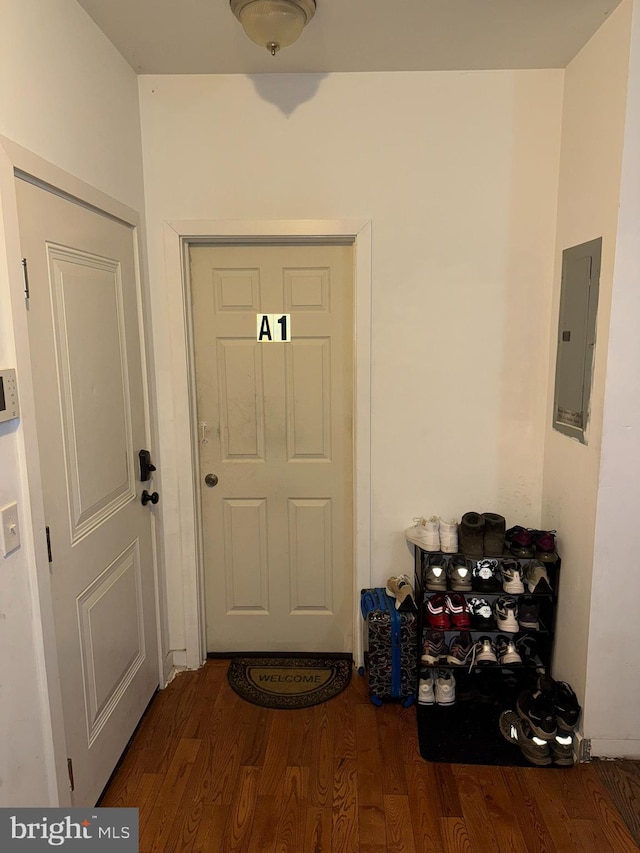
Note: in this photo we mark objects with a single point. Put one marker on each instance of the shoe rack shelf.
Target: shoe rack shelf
(546, 600)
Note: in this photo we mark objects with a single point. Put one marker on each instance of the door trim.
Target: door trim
(183, 531)
(17, 162)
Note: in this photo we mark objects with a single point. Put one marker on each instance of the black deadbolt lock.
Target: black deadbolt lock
(145, 466)
(146, 497)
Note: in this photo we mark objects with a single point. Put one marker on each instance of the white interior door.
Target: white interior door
(276, 431)
(88, 377)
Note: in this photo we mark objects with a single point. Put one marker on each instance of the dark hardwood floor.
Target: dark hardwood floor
(212, 773)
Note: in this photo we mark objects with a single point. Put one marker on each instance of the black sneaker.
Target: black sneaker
(528, 612)
(539, 712)
(485, 576)
(567, 707)
(461, 649)
(518, 731)
(481, 614)
(527, 647)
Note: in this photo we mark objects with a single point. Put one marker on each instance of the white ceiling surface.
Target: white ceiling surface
(203, 36)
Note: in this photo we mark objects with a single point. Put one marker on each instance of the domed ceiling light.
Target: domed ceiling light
(273, 23)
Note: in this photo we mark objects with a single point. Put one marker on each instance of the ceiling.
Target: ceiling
(203, 37)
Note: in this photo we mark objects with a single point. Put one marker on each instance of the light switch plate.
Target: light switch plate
(9, 528)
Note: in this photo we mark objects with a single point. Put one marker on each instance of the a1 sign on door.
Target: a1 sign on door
(273, 328)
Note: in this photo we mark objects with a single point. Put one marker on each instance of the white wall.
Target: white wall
(66, 95)
(593, 124)
(613, 664)
(458, 174)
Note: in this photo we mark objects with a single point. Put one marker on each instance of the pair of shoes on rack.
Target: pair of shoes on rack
(501, 651)
(434, 534)
(526, 542)
(446, 611)
(513, 615)
(401, 588)
(436, 651)
(439, 569)
(482, 534)
(437, 689)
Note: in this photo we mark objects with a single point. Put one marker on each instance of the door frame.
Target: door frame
(184, 540)
(18, 162)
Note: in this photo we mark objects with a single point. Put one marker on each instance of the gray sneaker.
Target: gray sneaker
(562, 749)
(537, 578)
(435, 573)
(518, 732)
(459, 574)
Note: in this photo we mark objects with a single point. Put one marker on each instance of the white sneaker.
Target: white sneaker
(448, 536)
(485, 651)
(445, 688)
(425, 533)
(507, 652)
(426, 696)
(505, 610)
(512, 574)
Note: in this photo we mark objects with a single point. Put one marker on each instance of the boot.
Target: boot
(494, 529)
(471, 534)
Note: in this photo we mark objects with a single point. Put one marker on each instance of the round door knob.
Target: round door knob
(146, 497)
(211, 480)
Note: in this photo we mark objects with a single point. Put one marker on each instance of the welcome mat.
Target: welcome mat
(289, 682)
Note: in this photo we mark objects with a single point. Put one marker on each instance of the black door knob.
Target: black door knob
(146, 497)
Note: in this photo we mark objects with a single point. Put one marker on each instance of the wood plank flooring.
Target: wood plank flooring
(211, 773)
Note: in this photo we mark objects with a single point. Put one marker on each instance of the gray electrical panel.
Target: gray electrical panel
(576, 337)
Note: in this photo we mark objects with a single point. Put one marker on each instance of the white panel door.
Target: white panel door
(276, 431)
(88, 376)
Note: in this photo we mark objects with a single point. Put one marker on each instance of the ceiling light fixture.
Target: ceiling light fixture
(273, 23)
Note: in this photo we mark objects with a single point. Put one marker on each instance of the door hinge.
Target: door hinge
(25, 278)
(49, 554)
(70, 771)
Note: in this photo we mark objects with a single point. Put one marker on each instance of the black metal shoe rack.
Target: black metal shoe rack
(467, 732)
